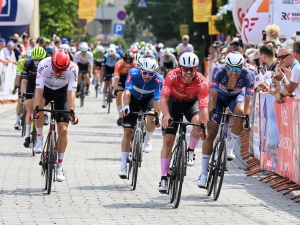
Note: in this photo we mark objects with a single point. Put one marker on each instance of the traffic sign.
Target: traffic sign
(142, 3)
(119, 28)
(121, 15)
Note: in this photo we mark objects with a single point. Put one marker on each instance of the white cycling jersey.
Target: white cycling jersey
(87, 59)
(45, 76)
(182, 49)
(170, 59)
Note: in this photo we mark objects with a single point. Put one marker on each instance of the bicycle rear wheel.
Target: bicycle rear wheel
(180, 172)
(171, 186)
(51, 162)
(135, 158)
(211, 171)
(220, 169)
(109, 98)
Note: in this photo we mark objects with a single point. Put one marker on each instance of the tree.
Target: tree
(226, 24)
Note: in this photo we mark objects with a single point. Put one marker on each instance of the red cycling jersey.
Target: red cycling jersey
(180, 91)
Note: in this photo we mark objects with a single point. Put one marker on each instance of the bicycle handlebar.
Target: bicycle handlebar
(144, 114)
(201, 125)
(245, 117)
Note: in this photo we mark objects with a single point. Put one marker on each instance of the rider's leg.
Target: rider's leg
(106, 84)
(78, 82)
(119, 101)
(87, 82)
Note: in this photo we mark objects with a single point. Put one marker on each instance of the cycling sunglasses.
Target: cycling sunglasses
(187, 69)
(234, 69)
(58, 70)
(147, 73)
(282, 57)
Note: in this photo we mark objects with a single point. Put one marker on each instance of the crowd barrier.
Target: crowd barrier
(7, 79)
(274, 139)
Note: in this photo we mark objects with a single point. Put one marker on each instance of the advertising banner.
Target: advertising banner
(286, 15)
(239, 10)
(184, 29)
(87, 9)
(268, 133)
(211, 25)
(255, 21)
(7, 80)
(296, 141)
(201, 10)
(256, 127)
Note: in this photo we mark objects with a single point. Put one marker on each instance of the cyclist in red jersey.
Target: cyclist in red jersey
(184, 91)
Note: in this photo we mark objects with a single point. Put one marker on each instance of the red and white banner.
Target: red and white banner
(256, 127)
(255, 21)
(286, 15)
(239, 10)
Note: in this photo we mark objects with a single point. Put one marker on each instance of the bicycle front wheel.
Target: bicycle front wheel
(180, 172)
(82, 92)
(33, 138)
(109, 98)
(23, 122)
(220, 169)
(136, 157)
(50, 163)
(211, 170)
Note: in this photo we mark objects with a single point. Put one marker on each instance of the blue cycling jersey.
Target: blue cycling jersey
(109, 63)
(141, 90)
(220, 80)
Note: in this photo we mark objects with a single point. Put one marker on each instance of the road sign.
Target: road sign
(119, 28)
(121, 15)
(142, 3)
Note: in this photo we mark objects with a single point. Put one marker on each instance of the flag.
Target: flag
(87, 9)
(201, 10)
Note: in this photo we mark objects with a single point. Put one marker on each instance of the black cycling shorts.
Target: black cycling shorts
(189, 109)
(30, 88)
(136, 105)
(122, 80)
(83, 68)
(59, 97)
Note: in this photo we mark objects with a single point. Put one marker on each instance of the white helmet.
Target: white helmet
(149, 64)
(234, 59)
(139, 61)
(84, 47)
(167, 52)
(65, 47)
(147, 52)
(160, 45)
(189, 59)
(73, 49)
(137, 56)
(27, 54)
(112, 45)
(99, 48)
(111, 51)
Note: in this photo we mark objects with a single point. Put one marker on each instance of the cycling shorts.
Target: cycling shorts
(97, 64)
(168, 65)
(224, 101)
(83, 68)
(107, 77)
(122, 80)
(30, 88)
(59, 97)
(136, 105)
(189, 109)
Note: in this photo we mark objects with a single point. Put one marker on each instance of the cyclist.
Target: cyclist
(98, 54)
(28, 85)
(56, 80)
(49, 51)
(167, 62)
(226, 90)
(185, 91)
(20, 66)
(185, 46)
(107, 69)
(142, 92)
(84, 59)
(121, 70)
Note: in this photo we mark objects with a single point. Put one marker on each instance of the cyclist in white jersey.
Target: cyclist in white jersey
(57, 80)
(85, 60)
(184, 46)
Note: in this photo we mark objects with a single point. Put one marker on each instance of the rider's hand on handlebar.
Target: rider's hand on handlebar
(212, 114)
(36, 113)
(115, 93)
(165, 121)
(126, 110)
(73, 119)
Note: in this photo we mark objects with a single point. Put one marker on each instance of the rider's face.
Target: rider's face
(188, 73)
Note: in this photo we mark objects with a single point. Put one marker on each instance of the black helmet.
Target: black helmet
(128, 57)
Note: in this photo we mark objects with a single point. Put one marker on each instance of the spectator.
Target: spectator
(2, 46)
(41, 42)
(293, 84)
(18, 49)
(25, 38)
(267, 57)
(9, 53)
(32, 43)
(273, 32)
(185, 46)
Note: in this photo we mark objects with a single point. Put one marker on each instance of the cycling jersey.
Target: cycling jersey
(174, 87)
(45, 76)
(20, 66)
(29, 70)
(220, 80)
(87, 59)
(141, 90)
(182, 49)
(120, 68)
(97, 56)
(171, 60)
(109, 63)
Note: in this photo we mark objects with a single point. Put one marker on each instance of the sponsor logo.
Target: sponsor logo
(203, 101)
(8, 10)
(290, 2)
(291, 16)
(129, 78)
(165, 89)
(249, 24)
(158, 80)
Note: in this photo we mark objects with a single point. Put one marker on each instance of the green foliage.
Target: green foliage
(226, 24)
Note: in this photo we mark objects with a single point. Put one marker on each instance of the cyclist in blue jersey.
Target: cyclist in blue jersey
(107, 69)
(226, 89)
(142, 92)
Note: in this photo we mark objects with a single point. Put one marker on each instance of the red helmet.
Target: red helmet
(60, 60)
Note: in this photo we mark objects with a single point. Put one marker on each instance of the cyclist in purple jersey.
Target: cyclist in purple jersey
(226, 89)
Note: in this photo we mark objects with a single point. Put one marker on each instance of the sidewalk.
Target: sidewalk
(94, 194)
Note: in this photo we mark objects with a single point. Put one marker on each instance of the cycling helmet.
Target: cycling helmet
(134, 49)
(38, 53)
(100, 48)
(65, 47)
(142, 44)
(128, 57)
(147, 52)
(60, 60)
(72, 49)
(137, 56)
(49, 50)
(64, 41)
(84, 47)
(234, 59)
(112, 45)
(189, 59)
(160, 45)
(167, 52)
(111, 51)
(149, 64)
(27, 54)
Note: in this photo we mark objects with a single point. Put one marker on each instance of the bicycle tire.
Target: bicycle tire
(171, 186)
(129, 175)
(23, 123)
(50, 163)
(220, 169)
(109, 98)
(135, 158)
(180, 172)
(211, 171)
(33, 139)
(96, 87)
(82, 93)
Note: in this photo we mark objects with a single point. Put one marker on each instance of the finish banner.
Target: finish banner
(201, 10)
(87, 10)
